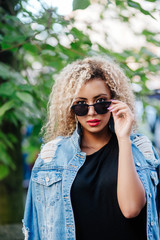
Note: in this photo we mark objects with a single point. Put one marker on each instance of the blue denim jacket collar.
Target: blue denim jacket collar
(76, 137)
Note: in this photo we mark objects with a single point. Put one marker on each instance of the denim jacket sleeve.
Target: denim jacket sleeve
(158, 186)
(30, 221)
(158, 192)
(152, 158)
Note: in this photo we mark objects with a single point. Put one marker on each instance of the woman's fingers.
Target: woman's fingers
(119, 107)
(116, 106)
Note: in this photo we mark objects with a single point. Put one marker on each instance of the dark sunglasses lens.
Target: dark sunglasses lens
(101, 108)
(80, 109)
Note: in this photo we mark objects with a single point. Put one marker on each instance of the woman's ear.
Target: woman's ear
(111, 123)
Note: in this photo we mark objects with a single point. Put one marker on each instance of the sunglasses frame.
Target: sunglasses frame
(94, 105)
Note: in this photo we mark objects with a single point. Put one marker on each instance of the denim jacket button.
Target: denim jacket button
(152, 223)
(47, 179)
(138, 164)
(150, 195)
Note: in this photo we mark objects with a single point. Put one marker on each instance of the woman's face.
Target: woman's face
(95, 90)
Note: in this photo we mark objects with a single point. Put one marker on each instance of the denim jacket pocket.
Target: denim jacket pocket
(48, 186)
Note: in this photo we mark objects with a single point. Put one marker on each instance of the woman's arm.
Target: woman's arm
(130, 191)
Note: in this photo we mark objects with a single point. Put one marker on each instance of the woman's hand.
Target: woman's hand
(123, 119)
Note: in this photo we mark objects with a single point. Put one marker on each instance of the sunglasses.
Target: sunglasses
(82, 109)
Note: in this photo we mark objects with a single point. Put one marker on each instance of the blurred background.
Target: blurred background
(37, 39)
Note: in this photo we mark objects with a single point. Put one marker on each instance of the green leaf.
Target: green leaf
(6, 72)
(80, 4)
(14, 38)
(5, 107)
(1, 37)
(5, 45)
(4, 171)
(31, 48)
(12, 118)
(6, 89)
(154, 41)
(136, 5)
(25, 97)
(83, 38)
(25, 87)
(119, 3)
(5, 158)
(124, 18)
(148, 33)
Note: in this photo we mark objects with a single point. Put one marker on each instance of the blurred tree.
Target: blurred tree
(11, 192)
(27, 64)
(34, 47)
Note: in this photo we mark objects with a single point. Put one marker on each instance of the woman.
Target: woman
(93, 179)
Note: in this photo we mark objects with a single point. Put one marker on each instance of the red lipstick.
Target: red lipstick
(93, 122)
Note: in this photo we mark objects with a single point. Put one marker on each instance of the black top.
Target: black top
(94, 200)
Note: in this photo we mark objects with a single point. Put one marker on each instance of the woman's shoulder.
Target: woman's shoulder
(48, 151)
(145, 146)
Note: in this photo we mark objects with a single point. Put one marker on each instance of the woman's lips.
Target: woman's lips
(93, 122)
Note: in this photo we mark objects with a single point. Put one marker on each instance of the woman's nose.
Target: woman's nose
(91, 110)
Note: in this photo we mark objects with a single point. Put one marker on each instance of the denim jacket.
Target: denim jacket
(48, 211)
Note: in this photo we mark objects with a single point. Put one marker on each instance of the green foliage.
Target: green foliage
(136, 5)
(5, 107)
(80, 4)
(4, 171)
(42, 45)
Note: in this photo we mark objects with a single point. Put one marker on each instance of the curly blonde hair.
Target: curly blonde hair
(61, 120)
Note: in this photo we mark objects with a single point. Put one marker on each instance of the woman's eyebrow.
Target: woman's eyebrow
(80, 98)
(99, 95)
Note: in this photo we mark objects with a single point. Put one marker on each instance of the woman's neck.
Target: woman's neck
(92, 142)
